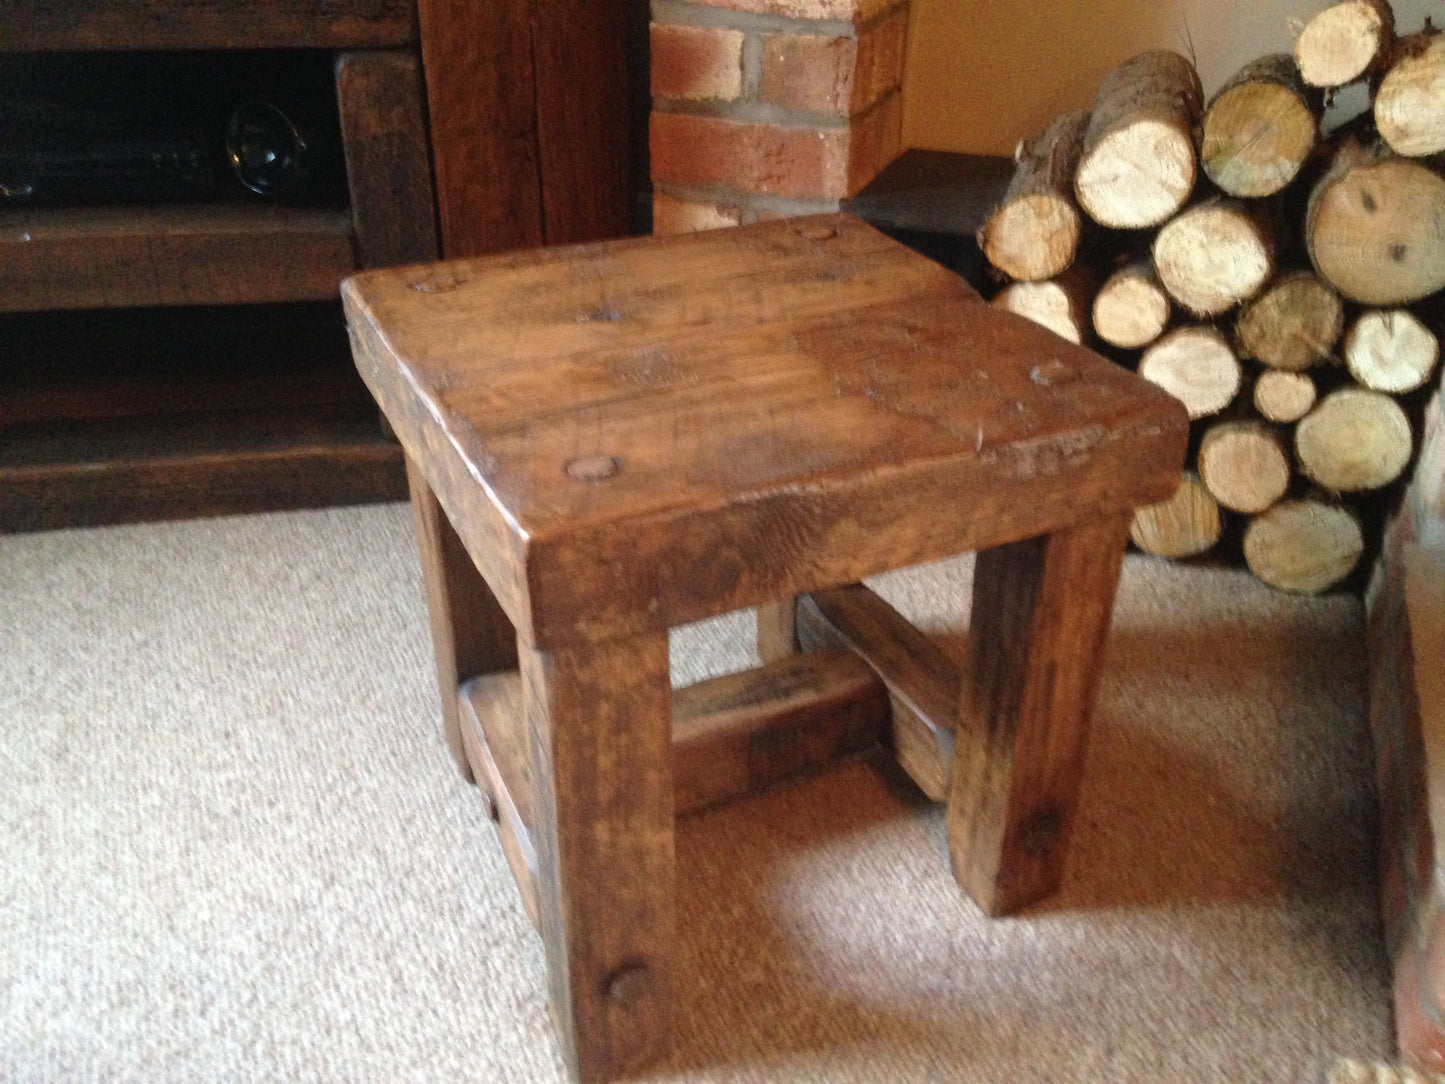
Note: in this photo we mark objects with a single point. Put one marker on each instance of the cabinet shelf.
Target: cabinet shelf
(120, 470)
(84, 25)
(212, 254)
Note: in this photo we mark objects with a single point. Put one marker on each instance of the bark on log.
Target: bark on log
(1375, 227)
(1214, 255)
(1132, 307)
(1244, 464)
(1304, 546)
(1195, 365)
(1284, 397)
(1138, 164)
(1410, 101)
(1185, 525)
(1060, 304)
(1034, 233)
(1354, 440)
(1294, 324)
(1260, 128)
(1391, 350)
(1345, 42)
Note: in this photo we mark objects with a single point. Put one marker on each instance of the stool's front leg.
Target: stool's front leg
(470, 633)
(600, 735)
(1041, 612)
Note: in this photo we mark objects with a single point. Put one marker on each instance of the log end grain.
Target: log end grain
(1187, 524)
(1057, 304)
(1343, 42)
(1391, 350)
(1213, 256)
(1410, 102)
(1256, 137)
(1304, 547)
(1354, 440)
(1244, 465)
(1284, 397)
(1375, 229)
(1195, 365)
(1033, 237)
(1137, 176)
(1293, 325)
(1132, 308)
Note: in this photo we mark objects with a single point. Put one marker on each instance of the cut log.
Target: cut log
(1214, 255)
(1132, 308)
(1390, 350)
(1294, 324)
(1196, 366)
(1260, 127)
(1185, 525)
(1244, 464)
(1355, 439)
(1410, 101)
(1034, 233)
(1305, 546)
(1345, 42)
(1375, 227)
(1284, 397)
(1138, 164)
(1060, 304)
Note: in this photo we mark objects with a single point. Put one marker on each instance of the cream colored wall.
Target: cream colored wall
(983, 74)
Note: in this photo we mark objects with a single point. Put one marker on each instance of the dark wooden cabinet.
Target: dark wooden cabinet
(186, 358)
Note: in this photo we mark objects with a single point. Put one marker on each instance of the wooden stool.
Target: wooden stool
(609, 440)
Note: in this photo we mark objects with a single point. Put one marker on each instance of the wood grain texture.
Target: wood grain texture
(130, 470)
(388, 171)
(1041, 610)
(599, 734)
(579, 48)
(670, 428)
(481, 100)
(181, 255)
(471, 635)
(35, 25)
(777, 629)
(923, 683)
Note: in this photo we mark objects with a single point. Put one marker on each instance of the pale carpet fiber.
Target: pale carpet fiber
(233, 847)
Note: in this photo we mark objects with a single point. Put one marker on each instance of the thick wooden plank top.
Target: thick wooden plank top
(637, 433)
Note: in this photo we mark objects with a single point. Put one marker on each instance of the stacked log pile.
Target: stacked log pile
(1284, 284)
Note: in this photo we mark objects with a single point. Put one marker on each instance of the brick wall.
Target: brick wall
(770, 107)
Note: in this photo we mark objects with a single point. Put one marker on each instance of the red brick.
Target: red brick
(696, 63)
(855, 11)
(697, 152)
(842, 76)
(673, 215)
(877, 139)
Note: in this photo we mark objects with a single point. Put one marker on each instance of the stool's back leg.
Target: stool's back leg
(599, 725)
(470, 633)
(1041, 612)
(777, 629)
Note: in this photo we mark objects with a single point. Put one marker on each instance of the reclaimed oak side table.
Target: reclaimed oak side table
(608, 440)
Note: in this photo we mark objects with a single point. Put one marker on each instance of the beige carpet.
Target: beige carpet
(233, 848)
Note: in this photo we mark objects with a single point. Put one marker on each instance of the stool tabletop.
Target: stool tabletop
(654, 429)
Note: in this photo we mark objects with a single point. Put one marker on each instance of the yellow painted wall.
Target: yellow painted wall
(983, 74)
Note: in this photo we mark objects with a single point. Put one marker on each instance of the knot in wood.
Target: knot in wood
(593, 468)
(440, 281)
(1041, 832)
(628, 985)
(818, 231)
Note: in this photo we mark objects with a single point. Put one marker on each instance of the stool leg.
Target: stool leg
(777, 629)
(1041, 612)
(470, 633)
(599, 722)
